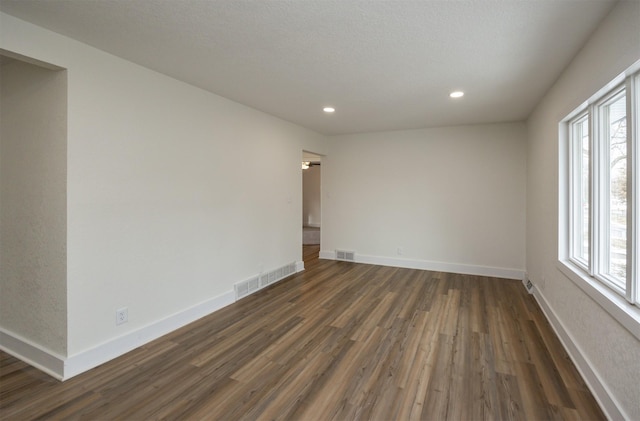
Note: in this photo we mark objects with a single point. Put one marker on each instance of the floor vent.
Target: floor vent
(348, 256)
(258, 282)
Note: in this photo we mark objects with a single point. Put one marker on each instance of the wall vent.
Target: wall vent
(242, 289)
(529, 286)
(264, 280)
(251, 285)
(348, 256)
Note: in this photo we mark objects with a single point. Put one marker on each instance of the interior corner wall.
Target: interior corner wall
(311, 204)
(173, 193)
(33, 228)
(450, 197)
(608, 350)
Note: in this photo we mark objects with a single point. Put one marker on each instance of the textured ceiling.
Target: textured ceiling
(384, 65)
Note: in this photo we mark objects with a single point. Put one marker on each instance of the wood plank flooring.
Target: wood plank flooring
(339, 341)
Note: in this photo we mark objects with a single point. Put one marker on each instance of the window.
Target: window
(581, 187)
(603, 174)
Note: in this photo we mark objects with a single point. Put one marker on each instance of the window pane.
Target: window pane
(616, 253)
(582, 176)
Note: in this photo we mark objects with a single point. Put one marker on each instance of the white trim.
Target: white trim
(624, 312)
(598, 267)
(598, 388)
(603, 91)
(32, 354)
(64, 368)
(633, 190)
(86, 360)
(506, 273)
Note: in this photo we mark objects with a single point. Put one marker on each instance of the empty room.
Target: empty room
(319, 209)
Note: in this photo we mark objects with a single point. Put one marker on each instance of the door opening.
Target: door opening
(311, 204)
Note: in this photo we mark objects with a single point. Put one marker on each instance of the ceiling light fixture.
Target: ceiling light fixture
(456, 94)
(329, 109)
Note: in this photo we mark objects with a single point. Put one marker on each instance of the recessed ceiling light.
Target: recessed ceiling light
(329, 109)
(456, 94)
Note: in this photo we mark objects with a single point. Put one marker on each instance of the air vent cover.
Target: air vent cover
(529, 286)
(258, 282)
(348, 256)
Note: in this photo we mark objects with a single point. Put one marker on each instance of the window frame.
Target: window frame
(624, 306)
(575, 223)
(601, 179)
(633, 188)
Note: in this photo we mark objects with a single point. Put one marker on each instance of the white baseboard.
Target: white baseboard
(433, 266)
(33, 354)
(600, 391)
(86, 360)
(64, 368)
(79, 363)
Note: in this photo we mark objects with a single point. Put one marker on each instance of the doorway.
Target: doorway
(311, 203)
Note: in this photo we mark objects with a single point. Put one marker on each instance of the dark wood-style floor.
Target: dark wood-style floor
(339, 341)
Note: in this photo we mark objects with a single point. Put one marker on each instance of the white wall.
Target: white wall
(311, 203)
(452, 198)
(164, 212)
(612, 352)
(33, 229)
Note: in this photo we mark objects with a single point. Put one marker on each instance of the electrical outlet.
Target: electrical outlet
(122, 316)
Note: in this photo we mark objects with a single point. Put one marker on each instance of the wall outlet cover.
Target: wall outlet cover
(122, 316)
